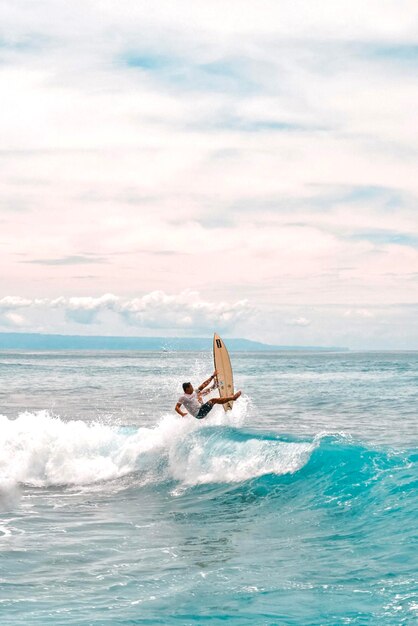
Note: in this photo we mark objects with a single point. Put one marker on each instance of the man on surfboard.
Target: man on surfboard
(193, 402)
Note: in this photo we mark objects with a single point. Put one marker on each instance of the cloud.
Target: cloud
(298, 321)
(84, 310)
(362, 313)
(381, 236)
(188, 313)
(13, 320)
(14, 302)
(69, 260)
(185, 311)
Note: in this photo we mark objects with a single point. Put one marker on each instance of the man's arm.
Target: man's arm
(178, 405)
(206, 382)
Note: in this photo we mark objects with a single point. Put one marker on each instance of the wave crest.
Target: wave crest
(41, 450)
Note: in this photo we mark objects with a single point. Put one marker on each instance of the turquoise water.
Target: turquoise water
(300, 507)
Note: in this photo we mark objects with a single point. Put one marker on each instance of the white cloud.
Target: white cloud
(185, 311)
(84, 310)
(188, 313)
(365, 313)
(298, 321)
(13, 320)
(14, 302)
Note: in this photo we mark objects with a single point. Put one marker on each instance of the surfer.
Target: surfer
(193, 401)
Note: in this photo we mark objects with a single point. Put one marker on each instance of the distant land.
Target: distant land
(35, 341)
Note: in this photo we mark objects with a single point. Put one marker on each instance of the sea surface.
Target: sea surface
(299, 507)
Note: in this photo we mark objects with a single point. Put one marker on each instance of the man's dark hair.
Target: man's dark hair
(185, 385)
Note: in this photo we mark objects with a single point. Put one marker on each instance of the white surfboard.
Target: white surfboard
(224, 369)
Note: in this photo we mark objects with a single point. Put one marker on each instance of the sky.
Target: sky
(176, 168)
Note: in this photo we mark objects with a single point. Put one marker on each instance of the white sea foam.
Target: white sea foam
(42, 450)
(238, 461)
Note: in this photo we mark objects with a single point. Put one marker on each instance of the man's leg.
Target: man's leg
(225, 400)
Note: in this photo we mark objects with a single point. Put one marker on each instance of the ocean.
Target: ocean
(299, 507)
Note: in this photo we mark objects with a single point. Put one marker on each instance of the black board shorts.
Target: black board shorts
(204, 410)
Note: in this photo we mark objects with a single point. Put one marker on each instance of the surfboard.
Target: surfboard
(224, 369)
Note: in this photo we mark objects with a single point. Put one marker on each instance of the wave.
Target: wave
(40, 450)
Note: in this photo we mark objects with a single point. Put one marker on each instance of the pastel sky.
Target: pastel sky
(179, 167)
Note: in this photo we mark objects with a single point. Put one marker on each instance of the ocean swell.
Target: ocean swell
(40, 450)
